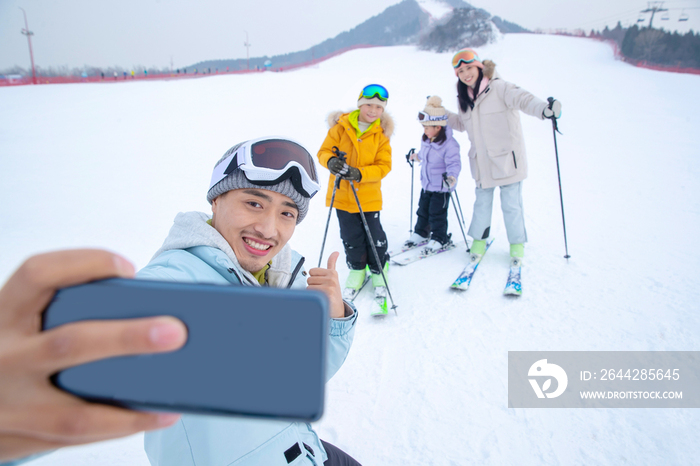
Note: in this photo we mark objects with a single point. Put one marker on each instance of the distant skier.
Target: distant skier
(364, 135)
(439, 154)
(489, 112)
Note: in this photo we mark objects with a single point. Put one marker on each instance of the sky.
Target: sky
(156, 33)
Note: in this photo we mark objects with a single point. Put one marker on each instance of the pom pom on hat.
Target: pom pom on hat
(434, 101)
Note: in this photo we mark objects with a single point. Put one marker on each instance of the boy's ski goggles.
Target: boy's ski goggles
(374, 90)
(422, 116)
(465, 56)
(269, 161)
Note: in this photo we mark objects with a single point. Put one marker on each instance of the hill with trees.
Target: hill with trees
(655, 46)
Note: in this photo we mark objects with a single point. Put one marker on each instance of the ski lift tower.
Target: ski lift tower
(247, 50)
(29, 35)
(653, 8)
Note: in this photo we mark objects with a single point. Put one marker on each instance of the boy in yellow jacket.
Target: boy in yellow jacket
(363, 135)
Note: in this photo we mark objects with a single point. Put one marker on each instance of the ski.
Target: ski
(405, 248)
(465, 278)
(379, 304)
(349, 294)
(416, 257)
(513, 285)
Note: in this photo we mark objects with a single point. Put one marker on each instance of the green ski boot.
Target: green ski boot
(379, 308)
(356, 280)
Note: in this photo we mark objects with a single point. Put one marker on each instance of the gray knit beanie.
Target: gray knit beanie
(237, 180)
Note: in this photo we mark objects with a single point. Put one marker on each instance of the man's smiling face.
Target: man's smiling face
(257, 223)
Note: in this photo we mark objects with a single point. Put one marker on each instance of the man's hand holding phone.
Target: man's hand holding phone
(35, 415)
(326, 280)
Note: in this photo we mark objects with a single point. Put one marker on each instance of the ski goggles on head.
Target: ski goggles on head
(464, 56)
(374, 90)
(269, 161)
(422, 116)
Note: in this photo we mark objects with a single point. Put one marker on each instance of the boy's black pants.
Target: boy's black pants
(337, 457)
(432, 215)
(358, 251)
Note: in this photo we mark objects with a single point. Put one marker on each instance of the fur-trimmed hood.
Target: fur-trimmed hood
(489, 69)
(385, 121)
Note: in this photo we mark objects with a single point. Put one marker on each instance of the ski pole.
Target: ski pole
(555, 130)
(444, 182)
(460, 208)
(374, 249)
(408, 159)
(337, 152)
(330, 211)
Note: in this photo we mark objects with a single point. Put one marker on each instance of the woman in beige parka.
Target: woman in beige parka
(489, 111)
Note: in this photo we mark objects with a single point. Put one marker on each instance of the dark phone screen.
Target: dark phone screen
(250, 351)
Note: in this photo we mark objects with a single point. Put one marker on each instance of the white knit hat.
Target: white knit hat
(374, 100)
(436, 112)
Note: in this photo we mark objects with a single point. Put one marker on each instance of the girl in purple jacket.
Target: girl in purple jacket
(439, 157)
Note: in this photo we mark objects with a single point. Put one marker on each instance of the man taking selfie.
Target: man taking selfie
(259, 192)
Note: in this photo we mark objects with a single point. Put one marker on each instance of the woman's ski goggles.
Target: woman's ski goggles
(464, 56)
(422, 116)
(374, 90)
(269, 161)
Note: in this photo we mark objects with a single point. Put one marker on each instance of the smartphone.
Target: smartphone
(251, 351)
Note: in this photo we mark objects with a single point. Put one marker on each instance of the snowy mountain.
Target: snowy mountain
(437, 9)
(455, 26)
(462, 27)
(110, 165)
(401, 24)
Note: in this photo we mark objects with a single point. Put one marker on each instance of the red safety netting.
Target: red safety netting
(25, 80)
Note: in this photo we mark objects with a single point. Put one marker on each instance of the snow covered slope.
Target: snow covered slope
(111, 164)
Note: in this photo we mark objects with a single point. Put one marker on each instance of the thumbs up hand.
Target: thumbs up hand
(326, 280)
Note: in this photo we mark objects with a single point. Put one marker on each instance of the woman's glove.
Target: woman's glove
(553, 110)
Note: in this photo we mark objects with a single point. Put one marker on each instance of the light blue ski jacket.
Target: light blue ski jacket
(195, 252)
